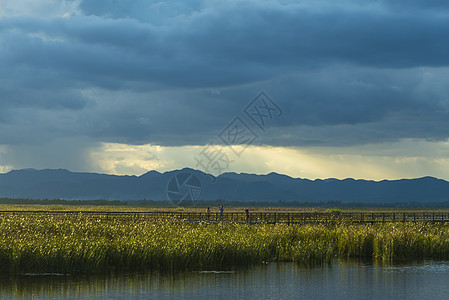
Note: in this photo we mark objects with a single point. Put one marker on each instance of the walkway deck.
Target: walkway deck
(252, 217)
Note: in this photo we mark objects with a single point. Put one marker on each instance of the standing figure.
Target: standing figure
(207, 213)
(220, 209)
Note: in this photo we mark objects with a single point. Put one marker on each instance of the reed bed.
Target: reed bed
(80, 244)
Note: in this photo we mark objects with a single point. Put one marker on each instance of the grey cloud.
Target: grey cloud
(302, 38)
(417, 4)
(114, 75)
(72, 153)
(152, 11)
(228, 47)
(348, 106)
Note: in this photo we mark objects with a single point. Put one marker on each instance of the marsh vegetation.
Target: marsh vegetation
(80, 244)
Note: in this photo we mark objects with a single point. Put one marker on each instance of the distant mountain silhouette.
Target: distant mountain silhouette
(273, 187)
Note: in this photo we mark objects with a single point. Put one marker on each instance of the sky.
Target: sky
(310, 89)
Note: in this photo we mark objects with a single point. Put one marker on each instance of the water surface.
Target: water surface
(341, 280)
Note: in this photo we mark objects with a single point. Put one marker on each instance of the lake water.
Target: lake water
(341, 280)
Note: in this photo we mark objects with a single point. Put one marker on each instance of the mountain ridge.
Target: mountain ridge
(230, 186)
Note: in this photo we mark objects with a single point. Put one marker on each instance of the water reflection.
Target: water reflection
(341, 280)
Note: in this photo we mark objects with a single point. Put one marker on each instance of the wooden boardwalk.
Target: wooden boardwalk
(242, 217)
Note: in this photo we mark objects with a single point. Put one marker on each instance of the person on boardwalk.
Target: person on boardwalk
(220, 209)
(247, 214)
(207, 213)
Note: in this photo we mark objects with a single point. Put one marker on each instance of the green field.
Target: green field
(79, 244)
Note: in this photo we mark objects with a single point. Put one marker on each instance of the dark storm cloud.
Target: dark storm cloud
(177, 73)
(284, 40)
(417, 4)
(226, 46)
(349, 105)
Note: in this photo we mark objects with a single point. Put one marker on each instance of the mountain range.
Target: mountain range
(272, 187)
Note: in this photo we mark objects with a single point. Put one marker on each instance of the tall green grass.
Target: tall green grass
(46, 244)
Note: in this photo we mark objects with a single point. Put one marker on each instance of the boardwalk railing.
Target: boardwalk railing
(242, 217)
